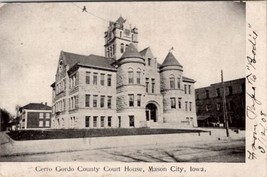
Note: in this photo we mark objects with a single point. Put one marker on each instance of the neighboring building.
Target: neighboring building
(35, 116)
(126, 88)
(209, 102)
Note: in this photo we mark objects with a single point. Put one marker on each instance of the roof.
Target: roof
(131, 52)
(147, 52)
(170, 60)
(120, 20)
(93, 60)
(188, 79)
(36, 106)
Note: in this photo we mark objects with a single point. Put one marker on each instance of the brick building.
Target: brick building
(126, 88)
(209, 103)
(35, 116)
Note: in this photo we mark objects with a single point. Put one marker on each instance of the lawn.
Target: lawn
(20, 135)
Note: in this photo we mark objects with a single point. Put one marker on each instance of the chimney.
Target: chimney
(46, 103)
(41, 102)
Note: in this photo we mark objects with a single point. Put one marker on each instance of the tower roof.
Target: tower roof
(131, 52)
(120, 21)
(170, 60)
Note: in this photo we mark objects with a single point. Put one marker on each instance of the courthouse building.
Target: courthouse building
(124, 88)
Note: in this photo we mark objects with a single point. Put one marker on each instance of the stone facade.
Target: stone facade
(126, 88)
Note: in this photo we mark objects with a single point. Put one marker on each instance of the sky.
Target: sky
(206, 37)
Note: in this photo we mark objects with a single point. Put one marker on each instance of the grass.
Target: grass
(22, 135)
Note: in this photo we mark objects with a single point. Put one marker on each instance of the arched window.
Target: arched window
(138, 76)
(122, 47)
(172, 82)
(120, 33)
(130, 76)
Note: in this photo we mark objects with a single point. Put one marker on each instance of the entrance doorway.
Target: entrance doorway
(151, 112)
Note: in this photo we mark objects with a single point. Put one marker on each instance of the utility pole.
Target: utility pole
(225, 118)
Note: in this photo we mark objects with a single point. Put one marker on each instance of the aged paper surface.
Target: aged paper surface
(252, 66)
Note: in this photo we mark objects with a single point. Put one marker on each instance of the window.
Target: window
(131, 100)
(47, 123)
(119, 119)
(87, 121)
(185, 89)
(207, 94)
(41, 123)
(172, 82)
(138, 77)
(122, 47)
(189, 89)
(102, 119)
(139, 100)
(109, 121)
(120, 33)
(190, 106)
(87, 100)
(230, 90)
(207, 107)
(147, 84)
(95, 121)
(109, 102)
(47, 115)
(95, 101)
(63, 105)
(149, 61)
(109, 80)
(179, 103)
(218, 92)
(179, 82)
(173, 103)
(76, 101)
(87, 78)
(131, 121)
(218, 106)
(95, 79)
(186, 106)
(102, 101)
(153, 86)
(230, 105)
(41, 115)
(130, 76)
(102, 79)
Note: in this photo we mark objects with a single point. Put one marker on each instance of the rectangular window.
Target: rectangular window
(138, 77)
(149, 61)
(139, 100)
(41, 123)
(87, 100)
(186, 106)
(207, 94)
(102, 101)
(87, 78)
(109, 121)
(230, 90)
(147, 84)
(178, 82)
(185, 89)
(76, 101)
(109, 102)
(95, 101)
(102, 119)
(218, 106)
(153, 85)
(189, 89)
(95, 79)
(87, 121)
(131, 100)
(47, 123)
(95, 121)
(63, 105)
(102, 79)
(131, 121)
(109, 80)
(218, 92)
(190, 106)
(47, 115)
(172, 83)
(180, 103)
(130, 77)
(173, 103)
(41, 115)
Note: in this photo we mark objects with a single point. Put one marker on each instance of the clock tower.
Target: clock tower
(118, 36)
